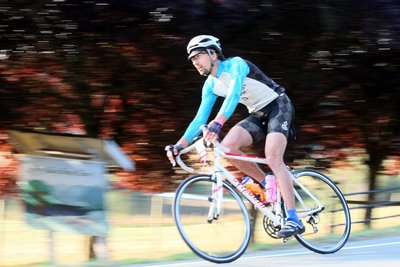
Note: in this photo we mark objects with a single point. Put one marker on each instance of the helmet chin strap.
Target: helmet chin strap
(209, 52)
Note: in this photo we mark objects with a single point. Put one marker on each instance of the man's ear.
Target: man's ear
(213, 54)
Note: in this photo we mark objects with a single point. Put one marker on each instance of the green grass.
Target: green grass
(176, 254)
(374, 233)
(136, 239)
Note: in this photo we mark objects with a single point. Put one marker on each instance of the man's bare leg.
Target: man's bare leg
(236, 139)
(275, 146)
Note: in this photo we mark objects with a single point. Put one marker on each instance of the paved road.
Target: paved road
(377, 252)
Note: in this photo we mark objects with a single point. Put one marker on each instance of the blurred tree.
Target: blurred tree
(118, 69)
(359, 109)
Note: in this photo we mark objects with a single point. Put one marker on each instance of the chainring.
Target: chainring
(270, 228)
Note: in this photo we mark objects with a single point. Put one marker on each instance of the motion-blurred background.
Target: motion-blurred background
(118, 69)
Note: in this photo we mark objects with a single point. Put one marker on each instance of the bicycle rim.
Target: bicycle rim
(327, 231)
(221, 241)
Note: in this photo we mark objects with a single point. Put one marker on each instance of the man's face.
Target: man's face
(202, 62)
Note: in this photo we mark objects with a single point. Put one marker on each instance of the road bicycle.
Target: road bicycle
(211, 211)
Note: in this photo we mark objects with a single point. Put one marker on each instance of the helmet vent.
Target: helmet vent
(205, 40)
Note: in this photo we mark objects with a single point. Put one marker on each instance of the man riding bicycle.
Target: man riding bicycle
(270, 116)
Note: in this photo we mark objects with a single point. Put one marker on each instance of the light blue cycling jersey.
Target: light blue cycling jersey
(238, 81)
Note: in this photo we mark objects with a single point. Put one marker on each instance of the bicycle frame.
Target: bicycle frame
(277, 205)
(223, 183)
(221, 172)
(272, 211)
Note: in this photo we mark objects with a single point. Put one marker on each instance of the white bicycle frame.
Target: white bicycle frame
(272, 211)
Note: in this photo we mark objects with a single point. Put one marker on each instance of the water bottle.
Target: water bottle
(270, 188)
(253, 187)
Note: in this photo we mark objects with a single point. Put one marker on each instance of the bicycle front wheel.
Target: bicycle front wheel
(324, 211)
(220, 240)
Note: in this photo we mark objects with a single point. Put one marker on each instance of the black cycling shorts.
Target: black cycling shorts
(275, 117)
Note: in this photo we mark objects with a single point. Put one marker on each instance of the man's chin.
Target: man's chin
(203, 72)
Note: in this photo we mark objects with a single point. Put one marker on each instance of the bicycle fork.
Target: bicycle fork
(216, 198)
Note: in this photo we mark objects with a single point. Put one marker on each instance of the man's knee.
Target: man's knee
(231, 145)
(236, 139)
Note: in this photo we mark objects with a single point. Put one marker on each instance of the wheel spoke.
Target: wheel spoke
(324, 212)
(215, 238)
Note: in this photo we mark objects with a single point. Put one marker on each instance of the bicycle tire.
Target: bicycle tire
(334, 225)
(229, 234)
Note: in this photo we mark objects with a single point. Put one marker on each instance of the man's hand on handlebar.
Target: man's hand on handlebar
(211, 132)
(172, 151)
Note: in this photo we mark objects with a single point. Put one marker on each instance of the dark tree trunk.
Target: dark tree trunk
(375, 160)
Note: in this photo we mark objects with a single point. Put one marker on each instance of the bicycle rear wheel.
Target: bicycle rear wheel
(222, 240)
(326, 217)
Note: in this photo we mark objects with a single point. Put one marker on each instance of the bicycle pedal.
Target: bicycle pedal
(286, 239)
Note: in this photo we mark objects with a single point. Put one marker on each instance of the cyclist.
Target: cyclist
(271, 114)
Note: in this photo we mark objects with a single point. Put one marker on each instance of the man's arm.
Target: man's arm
(207, 102)
(238, 72)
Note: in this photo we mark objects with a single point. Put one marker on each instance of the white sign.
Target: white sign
(64, 194)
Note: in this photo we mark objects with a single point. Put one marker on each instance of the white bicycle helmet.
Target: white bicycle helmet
(203, 41)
